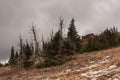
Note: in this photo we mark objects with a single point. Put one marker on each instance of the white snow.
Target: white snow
(102, 62)
(83, 74)
(92, 62)
(115, 79)
(68, 71)
(112, 66)
(93, 71)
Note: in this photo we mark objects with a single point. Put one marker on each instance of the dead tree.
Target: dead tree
(21, 56)
(37, 50)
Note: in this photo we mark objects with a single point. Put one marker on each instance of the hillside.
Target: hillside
(100, 65)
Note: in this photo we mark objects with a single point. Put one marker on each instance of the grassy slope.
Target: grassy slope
(99, 65)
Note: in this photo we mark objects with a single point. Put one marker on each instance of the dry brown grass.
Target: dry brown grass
(80, 61)
(102, 78)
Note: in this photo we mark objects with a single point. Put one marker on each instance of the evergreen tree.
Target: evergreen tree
(1, 65)
(73, 37)
(54, 47)
(27, 55)
(109, 36)
(93, 44)
(12, 57)
(16, 55)
(72, 33)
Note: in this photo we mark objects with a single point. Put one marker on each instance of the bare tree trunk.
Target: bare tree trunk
(37, 50)
(21, 46)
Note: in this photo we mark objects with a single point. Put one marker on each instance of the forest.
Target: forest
(59, 49)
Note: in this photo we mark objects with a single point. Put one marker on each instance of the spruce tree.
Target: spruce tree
(72, 32)
(12, 57)
(73, 37)
(54, 47)
(28, 53)
(16, 55)
(110, 37)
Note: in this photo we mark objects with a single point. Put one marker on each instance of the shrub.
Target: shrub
(50, 62)
(1, 64)
(27, 64)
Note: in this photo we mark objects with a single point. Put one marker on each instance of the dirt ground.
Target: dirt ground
(100, 65)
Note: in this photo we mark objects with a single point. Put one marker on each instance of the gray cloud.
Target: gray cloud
(17, 15)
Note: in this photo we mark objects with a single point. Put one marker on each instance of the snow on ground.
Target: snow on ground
(101, 65)
(95, 70)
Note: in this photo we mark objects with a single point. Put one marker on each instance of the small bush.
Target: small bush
(1, 65)
(27, 64)
(50, 62)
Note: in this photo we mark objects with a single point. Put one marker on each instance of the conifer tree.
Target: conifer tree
(54, 47)
(72, 33)
(27, 55)
(12, 57)
(109, 37)
(73, 36)
(16, 55)
(28, 51)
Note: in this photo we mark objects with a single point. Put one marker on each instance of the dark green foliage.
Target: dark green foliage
(54, 47)
(72, 33)
(73, 37)
(28, 53)
(69, 47)
(109, 38)
(59, 49)
(50, 62)
(1, 65)
(27, 63)
(27, 50)
(93, 44)
(12, 60)
(16, 55)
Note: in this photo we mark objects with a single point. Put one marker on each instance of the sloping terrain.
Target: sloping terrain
(100, 65)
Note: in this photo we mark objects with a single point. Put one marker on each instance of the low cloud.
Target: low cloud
(16, 17)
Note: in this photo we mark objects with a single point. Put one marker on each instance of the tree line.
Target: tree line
(59, 49)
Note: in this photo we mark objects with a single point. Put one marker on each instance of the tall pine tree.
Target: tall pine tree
(73, 37)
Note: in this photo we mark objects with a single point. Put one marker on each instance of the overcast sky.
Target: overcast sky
(16, 16)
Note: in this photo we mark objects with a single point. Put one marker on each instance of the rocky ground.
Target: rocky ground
(100, 65)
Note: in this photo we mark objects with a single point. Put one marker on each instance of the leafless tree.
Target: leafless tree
(36, 49)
